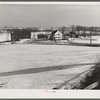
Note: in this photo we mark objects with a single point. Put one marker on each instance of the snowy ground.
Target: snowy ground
(42, 66)
(23, 40)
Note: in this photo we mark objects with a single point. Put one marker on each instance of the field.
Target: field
(32, 66)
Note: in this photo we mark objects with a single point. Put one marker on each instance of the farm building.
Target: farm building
(39, 35)
(34, 35)
(18, 34)
(5, 36)
(73, 35)
(57, 35)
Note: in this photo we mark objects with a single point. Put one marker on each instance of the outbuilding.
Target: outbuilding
(18, 34)
(5, 36)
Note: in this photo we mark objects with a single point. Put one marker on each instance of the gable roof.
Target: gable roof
(58, 33)
(54, 32)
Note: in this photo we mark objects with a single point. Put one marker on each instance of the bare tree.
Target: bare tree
(78, 29)
(63, 29)
(73, 28)
(84, 31)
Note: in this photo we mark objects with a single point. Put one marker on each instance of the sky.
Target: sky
(48, 15)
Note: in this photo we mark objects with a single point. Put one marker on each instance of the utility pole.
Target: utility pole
(91, 29)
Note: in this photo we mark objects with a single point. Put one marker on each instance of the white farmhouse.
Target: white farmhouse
(58, 35)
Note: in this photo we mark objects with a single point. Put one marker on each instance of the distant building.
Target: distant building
(73, 35)
(38, 35)
(34, 35)
(56, 35)
(18, 34)
(5, 36)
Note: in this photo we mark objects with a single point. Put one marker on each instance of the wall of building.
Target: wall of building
(5, 37)
(20, 34)
(34, 35)
(58, 35)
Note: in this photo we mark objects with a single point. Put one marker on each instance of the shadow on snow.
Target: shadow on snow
(42, 69)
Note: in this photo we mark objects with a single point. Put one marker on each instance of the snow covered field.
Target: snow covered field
(42, 66)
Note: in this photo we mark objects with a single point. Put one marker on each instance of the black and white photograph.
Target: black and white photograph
(50, 46)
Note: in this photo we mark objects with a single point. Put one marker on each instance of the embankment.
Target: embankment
(88, 80)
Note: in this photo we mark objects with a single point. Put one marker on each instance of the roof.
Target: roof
(54, 32)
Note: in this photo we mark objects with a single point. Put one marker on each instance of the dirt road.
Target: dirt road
(31, 66)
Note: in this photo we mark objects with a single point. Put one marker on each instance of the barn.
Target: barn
(18, 34)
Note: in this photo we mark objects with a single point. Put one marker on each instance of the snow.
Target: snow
(24, 58)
